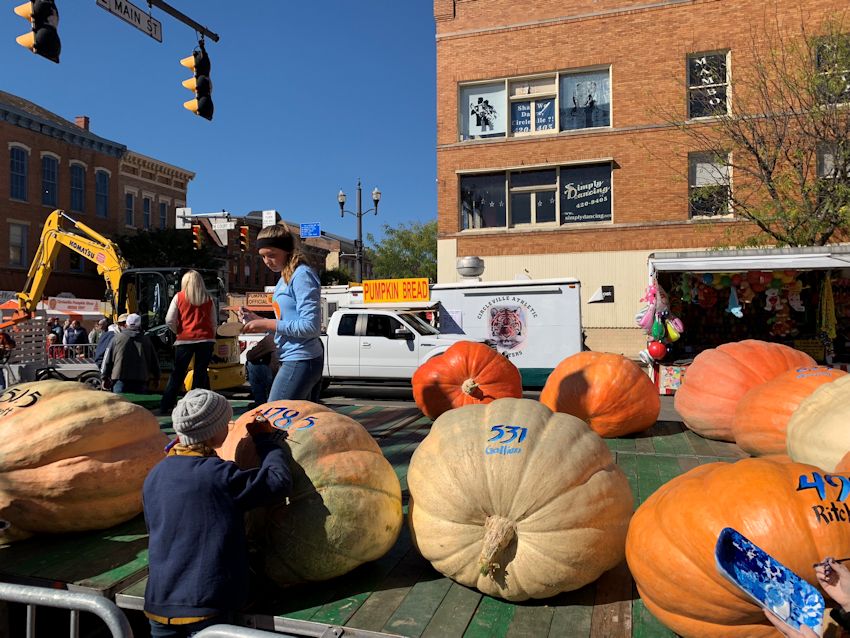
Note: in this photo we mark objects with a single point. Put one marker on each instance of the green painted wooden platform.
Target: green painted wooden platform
(400, 593)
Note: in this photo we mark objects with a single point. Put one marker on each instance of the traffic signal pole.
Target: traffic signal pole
(174, 13)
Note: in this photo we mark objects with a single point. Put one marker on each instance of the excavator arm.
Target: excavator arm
(86, 242)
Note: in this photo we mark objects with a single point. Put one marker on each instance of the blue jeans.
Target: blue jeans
(298, 380)
(182, 358)
(260, 377)
(159, 630)
(135, 387)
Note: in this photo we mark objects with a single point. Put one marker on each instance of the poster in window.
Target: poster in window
(483, 110)
(586, 193)
(585, 100)
(521, 117)
(483, 202)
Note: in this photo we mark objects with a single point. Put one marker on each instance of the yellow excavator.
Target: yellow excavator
(146, 291)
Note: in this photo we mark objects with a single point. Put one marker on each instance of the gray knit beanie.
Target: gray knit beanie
(200, 415)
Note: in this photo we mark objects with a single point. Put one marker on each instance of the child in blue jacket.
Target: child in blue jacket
(194, 508)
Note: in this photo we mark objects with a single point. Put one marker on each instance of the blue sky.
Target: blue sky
(308, 97)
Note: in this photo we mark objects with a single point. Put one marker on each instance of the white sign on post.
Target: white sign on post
(182, 218)
(269, 218)
(222, 224)
(131, 14)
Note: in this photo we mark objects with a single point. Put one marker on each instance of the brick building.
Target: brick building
(552, 158)
(55, 163)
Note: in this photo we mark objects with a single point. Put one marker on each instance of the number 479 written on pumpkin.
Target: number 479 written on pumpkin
(819, 482)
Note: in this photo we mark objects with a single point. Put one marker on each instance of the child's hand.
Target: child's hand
(260, 425)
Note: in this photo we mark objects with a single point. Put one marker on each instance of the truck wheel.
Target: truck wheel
(90, 379)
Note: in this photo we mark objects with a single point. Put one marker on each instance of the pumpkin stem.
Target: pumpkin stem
(498, 533)
(469, 386)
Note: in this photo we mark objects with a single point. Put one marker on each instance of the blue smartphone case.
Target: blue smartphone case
(767, 581)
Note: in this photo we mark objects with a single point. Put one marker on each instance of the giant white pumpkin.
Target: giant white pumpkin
(819, 430)
(72, 458)
(517, 501)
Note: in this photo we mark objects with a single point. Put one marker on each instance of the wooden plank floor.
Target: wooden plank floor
(400, 593)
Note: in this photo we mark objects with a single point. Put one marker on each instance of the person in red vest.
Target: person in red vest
(191, 316)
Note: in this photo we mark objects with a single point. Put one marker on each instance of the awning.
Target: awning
(810, 258)
(411, 305)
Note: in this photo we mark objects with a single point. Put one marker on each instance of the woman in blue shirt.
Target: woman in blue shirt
(297, 322)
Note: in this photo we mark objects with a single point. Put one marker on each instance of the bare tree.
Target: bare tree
(781, 141)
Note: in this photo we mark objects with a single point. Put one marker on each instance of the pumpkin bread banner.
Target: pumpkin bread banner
(345, 506)
(762, 414)
(608, 391)
(72, 458)
(719, 377)
(819, 430)
(516, 500)
(465, 374)
(795, 512)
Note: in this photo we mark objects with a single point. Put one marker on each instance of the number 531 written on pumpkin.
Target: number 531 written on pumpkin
(512, 432)
(818, 482)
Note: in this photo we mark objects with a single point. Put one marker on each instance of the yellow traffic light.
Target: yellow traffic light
(200, 84)
(43, 38)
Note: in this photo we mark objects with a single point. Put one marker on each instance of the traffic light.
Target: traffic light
(244, 235)
(200, 83)
(43, 38)
(196, 236)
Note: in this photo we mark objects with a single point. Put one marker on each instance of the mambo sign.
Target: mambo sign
(396, 290)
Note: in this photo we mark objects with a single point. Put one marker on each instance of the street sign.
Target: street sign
(131, 14)
(311, 230)
(222, 224)
(182, 218)
(269, 218)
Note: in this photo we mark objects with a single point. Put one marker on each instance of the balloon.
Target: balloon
(656, 350)
(658, 329)
(736, 279)
(672, 333)
(726, 280)
(644, 356)
(707, 278)
(776, 282)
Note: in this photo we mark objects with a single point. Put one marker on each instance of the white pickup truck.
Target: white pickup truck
(372, 344)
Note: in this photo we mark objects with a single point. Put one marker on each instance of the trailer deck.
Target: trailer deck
(400, 593)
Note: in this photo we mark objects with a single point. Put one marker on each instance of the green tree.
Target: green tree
(785, 137)
(335, 276)
(406, 250)
(167, 247)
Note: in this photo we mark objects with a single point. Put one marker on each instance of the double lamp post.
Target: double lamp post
(358, 245)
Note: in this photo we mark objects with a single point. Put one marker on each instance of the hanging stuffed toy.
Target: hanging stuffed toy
(772, 300)
(746, 294)
(782, 325)
(645, 317)
(794, 299)
(733, 306)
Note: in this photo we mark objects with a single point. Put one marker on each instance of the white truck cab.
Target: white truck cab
(381, 343)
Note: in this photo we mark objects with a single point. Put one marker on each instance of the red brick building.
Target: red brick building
(55, 163)
(552, 156)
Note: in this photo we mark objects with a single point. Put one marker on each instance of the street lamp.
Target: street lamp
(358, 245)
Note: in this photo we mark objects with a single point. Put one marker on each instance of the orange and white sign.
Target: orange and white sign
(74, 306)
(258, 299)
(396, 290)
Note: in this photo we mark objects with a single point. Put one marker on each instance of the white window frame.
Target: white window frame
(134, 193)
(23, 247)
(27, 151)
(693, 159)
(533, 97)
(58, 161)
(71, 165)
(845, 72)
(696, 86)
(147, 217)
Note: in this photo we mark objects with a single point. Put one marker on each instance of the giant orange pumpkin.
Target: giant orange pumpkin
(72, 458)
(345, 506)
(763, 413)
(608, 391)
(465, 374)
(719, 377)
(788, 509)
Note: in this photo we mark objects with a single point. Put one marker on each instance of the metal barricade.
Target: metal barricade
(76, 602)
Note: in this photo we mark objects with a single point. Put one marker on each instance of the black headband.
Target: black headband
(282, 243)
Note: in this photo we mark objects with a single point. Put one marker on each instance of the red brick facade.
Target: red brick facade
(646, 45)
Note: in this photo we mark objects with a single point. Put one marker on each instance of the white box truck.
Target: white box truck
(535, 323)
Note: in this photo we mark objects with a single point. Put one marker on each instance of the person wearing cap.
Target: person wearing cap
(130, 363)
(194, 505)
(297, 323)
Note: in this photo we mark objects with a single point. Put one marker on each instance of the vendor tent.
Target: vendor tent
(799, 258)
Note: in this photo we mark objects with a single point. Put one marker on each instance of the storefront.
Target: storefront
(796, 296)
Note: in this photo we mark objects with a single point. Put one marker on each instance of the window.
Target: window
(146, 213)
(129, 205)
(533, 197)
(101, 194)
(382, 326)
(78, 188)
(18, 173)
(832, 59)
(78, 264)
(563, 101)
(709, 184)
(347, 326)
(49, 180)
(18, 244)
(163, 214)
(708, 84)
